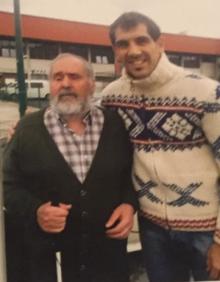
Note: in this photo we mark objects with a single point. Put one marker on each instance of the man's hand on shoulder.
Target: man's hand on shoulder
(12, 128)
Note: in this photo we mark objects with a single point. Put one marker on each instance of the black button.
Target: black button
(83, 193)
(84, 214)
(82, 267)
(85, 236)
(83, 253)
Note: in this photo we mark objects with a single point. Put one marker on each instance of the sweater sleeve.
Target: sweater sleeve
(129, 193)
(211, 127)
(18, 200)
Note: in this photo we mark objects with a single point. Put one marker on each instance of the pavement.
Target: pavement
(9, 115)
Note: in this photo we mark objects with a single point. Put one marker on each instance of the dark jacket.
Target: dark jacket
(35, 172)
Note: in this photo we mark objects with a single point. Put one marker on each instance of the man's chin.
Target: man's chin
(66, 109)
(69, 112)
(64, 98)
(138, 74)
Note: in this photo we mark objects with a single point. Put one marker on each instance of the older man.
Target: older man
(67, 180)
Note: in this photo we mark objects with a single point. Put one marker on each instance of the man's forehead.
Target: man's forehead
(68, 65)
(139, 29)
(63, 72)
(68, 61)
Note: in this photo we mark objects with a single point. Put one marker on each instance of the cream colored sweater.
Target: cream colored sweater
(173, 118)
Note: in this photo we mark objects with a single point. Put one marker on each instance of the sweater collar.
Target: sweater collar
(163, 72)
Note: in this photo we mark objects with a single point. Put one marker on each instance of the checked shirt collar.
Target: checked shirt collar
(77, 150)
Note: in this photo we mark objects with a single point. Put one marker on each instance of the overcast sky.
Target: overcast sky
(192, 17)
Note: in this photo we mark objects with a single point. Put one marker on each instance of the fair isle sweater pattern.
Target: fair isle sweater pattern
(173, 117)
(167, 124)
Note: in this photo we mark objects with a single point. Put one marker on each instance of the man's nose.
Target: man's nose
(134, 49)
(66, 82)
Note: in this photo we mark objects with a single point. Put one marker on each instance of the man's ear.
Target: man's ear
(92, 85)
(160, 43)
(118, 58)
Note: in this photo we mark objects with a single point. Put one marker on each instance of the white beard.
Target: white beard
(78, 107)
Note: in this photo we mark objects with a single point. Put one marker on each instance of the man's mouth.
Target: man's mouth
(67, 94)
(137, 63)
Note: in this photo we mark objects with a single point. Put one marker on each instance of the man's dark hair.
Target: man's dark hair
(130, 20)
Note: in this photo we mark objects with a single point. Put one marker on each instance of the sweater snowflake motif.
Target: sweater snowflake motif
(173, 118)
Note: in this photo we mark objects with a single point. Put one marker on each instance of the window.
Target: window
(102, 55)
(191, 62)
(36, 50)
(98, 60)
(208, 59)
(174, 58)
(43, 76)
(36, 85)
(5, 52)
(104, 59)
(101, 60)
(43, 50)
(51, 50)
(7, 48)
(76, 49)
(12, 53)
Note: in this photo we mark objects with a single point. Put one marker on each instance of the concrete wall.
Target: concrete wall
(209, 69)
(8, 65)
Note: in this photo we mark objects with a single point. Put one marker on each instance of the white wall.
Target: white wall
(8, 65)
(209, 69)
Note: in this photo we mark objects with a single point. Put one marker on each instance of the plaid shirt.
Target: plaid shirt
(77, 150)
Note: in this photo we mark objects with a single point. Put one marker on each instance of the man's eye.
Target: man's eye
(74, 76)
(57, 78)
(121, 44)
(142, 40)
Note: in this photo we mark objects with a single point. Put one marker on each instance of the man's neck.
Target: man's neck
(76, 124)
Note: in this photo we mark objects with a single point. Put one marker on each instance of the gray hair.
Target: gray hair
(86, 64)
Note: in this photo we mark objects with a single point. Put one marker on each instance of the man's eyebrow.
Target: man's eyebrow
(124, 40)
(121, 42)
(58, 73)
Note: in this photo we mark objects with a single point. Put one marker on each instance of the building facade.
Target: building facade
(45, 38)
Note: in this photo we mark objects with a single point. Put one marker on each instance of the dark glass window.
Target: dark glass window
(76, 49)
(36, 50)
(7, 48)
(174, 58)
(102, 55)
(51, 51)
(43, 50)
(208, 59)
(43, 76)
(36, 85)
(191, 61)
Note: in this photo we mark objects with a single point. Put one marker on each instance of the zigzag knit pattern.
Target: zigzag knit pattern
(183, 225)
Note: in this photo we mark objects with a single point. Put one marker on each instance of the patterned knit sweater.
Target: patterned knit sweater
(173, 118)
